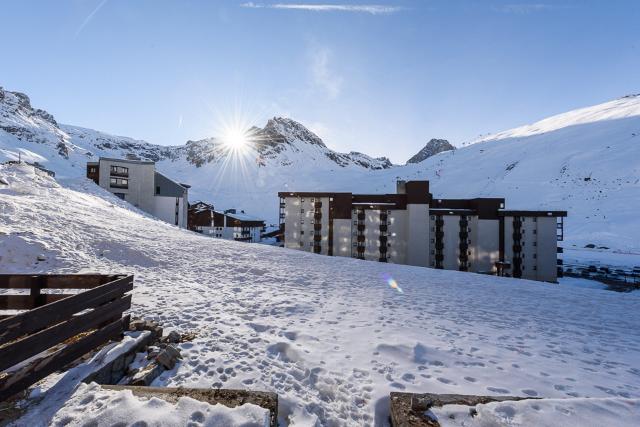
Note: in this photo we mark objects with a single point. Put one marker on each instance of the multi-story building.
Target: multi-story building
(138, 183)
(410, 227)
(230, 224)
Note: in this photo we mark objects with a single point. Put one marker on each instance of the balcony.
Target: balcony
(317, 227)
(517, 236)
(360, 228)
(360, 239)
(317, 216)
(361, 217)
(383, 217)
(317, 205)
(383, 249)
(383, 240)
(439, 246)
(517, 223)
(282, 205)
(317, 238)
(383, 227)
(463, 235)
(517, 248)
(439, 235)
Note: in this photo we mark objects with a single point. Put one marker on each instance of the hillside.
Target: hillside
(583, 161)
(328, 334)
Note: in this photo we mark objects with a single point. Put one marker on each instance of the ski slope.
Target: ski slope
(327, 334)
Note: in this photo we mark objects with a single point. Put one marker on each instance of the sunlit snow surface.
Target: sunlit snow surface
(329, 335)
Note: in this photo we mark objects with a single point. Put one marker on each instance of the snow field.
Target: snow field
(327, 334)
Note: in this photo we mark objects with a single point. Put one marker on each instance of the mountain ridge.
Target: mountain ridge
(582, 161)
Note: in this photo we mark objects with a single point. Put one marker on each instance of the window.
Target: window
(301, 232)
(301, 244)
(119, 195)
(119, 182)
(535, 256)
(433, 240)
(433, 217)
(119, 170)
(93, 169)
(312, 200)
(302, 222)
(302, 200)
(355, 222)
(301, 210)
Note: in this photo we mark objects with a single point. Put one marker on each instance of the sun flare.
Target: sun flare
(235, 139)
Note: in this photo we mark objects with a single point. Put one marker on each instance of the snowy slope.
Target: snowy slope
(328, 334)
(585, 161)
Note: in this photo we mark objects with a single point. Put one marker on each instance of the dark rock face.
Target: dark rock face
(432, 148)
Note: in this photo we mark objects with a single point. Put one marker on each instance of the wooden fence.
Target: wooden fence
(54, 328)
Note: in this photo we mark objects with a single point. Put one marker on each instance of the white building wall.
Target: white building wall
(397, 236)
(417, 235)
(342, 237)
(141, 182)
(487, 247)
(547, 249)
(164, 208)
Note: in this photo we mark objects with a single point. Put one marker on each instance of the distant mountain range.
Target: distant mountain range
(584, 161)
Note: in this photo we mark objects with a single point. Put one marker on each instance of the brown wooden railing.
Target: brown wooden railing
(54, 327)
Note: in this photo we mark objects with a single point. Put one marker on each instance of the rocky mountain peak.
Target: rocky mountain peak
(282, 129)
(433, 147)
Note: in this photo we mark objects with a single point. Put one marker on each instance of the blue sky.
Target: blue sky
(376, 77)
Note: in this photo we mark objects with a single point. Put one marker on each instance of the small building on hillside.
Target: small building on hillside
(230, 225)
(138, 183)
(411, 227)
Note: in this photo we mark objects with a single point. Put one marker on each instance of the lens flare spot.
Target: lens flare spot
(392, 282)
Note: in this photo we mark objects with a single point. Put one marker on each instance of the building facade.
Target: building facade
(230, 224)
(410, 227)
(138, 183)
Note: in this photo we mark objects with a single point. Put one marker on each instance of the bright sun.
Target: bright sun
(235, 139)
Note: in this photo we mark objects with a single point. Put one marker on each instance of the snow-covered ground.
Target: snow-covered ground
(93, 406)
(327, 334)
(546, 413)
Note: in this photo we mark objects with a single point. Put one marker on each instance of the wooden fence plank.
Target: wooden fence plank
(13, 382)
(15, 352)
(56, 281)
(49, 314)
(27, 302)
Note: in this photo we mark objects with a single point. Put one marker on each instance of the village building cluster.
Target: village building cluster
(138, 183)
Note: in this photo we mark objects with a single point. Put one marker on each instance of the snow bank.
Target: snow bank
(328, 334)
(91, 405)
(544, 413)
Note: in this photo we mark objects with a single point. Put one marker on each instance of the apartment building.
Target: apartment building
(138, 183)
(229, 224)
(410, 227)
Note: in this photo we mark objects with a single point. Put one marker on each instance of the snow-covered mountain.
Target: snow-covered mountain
(433, 147)
(585, 161)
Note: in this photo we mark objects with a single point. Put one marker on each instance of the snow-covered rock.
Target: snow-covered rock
(433, 147)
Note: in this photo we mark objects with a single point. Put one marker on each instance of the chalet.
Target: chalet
(229, 224)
